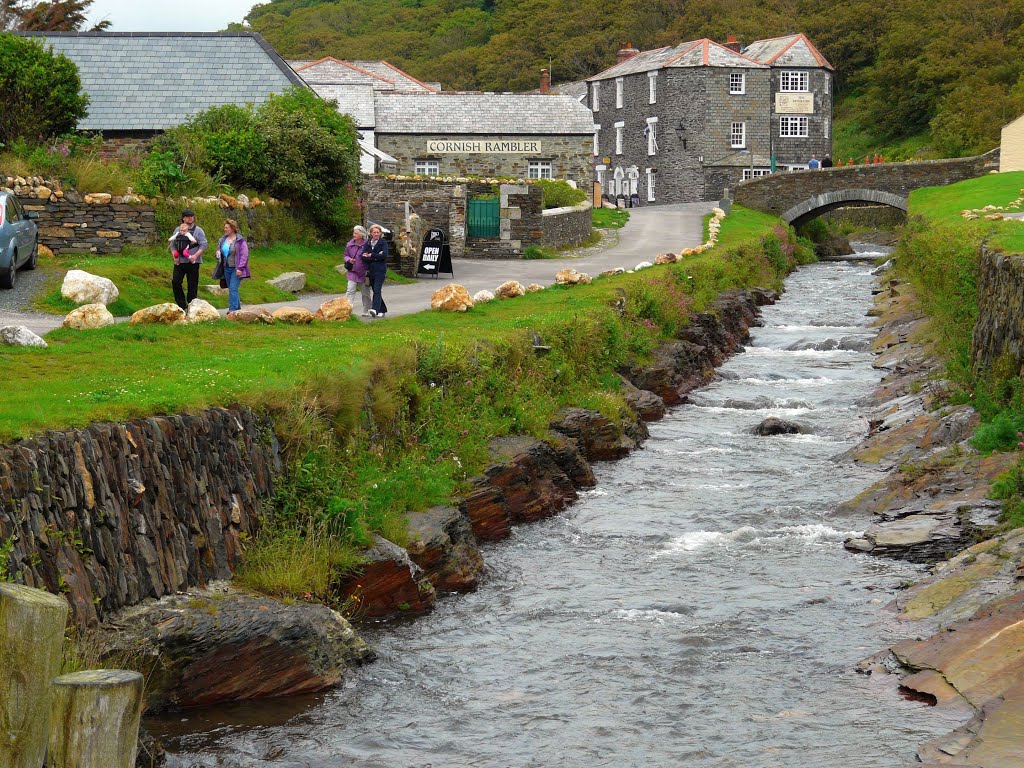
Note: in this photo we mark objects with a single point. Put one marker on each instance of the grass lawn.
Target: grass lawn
(143, 276)
(944, 204)
(742, 225)
(124, 371)
(608, 218)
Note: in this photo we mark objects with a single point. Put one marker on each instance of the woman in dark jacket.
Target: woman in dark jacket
(375, 255)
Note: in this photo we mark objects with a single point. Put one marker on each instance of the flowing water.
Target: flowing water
(697, 608)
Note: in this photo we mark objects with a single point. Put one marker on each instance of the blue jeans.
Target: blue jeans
(234, 281)
(377, 282)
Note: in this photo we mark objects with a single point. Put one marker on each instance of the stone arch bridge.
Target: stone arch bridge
(801, 196)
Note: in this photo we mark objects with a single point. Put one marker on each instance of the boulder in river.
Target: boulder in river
(443, 545)
(387, 584)
(776, 426)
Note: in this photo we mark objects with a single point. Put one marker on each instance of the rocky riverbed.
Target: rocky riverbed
(966, 618)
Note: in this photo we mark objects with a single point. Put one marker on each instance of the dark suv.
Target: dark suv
(19, 240)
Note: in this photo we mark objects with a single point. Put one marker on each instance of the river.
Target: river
(697, 608)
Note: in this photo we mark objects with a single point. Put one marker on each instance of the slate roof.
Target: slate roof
(379, 74)
(696, 53)
(151, 81)
(788, 51)
(577, 89)
(481, 113)
(354, 100)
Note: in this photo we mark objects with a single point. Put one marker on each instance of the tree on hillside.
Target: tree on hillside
(40, 91)
(59, 16)
(10, 15)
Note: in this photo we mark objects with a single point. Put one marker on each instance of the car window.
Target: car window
(11, 214)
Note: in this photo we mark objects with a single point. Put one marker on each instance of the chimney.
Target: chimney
(733, 44)
(626, 53)
(545, 81)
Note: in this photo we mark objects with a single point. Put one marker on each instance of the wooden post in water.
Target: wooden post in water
(31, 640)
(95, 722)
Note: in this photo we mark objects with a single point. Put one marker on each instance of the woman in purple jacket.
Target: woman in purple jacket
(233, 252)
(357, 271)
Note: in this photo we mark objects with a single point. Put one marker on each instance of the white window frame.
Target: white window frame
(650, 184)
(423, 167)
(652, 135)
(618, 137)
(618, 92)
(600, 171)
(757, 173)
(652, 87)
(618, 181)
(536, 169)
(597, 140)
(738, 135)
(741, 79)
(595, 96)
(794, 81)
(787, 129)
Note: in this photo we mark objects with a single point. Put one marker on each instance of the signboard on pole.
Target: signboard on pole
(435, 254)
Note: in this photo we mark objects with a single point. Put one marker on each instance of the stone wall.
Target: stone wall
(999, 330)
(70, 225)
(874, 216)
(113, 514)
(778, 193)
(443, 204)
(568, 226)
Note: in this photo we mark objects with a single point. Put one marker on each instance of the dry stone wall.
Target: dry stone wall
(567, 226)
(113, 514)
(999, 330)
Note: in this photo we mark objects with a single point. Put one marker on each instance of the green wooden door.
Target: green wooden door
(483, 215)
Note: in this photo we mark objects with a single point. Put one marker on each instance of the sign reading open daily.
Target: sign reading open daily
(483, 146)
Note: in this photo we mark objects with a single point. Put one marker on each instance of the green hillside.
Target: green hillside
(946, 75)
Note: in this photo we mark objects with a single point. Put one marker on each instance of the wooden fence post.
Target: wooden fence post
(95, 722)
(31, 640)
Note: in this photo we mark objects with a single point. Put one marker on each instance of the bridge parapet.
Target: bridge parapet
(791, 195)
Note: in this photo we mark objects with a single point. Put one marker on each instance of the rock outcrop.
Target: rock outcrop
(220, 645)
(386, 584)
(444, 547)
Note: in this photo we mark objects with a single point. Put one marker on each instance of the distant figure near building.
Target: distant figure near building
(814, 165)
(827, 162)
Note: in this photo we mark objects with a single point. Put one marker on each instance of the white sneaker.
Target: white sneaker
(366, 313)
(371, 313)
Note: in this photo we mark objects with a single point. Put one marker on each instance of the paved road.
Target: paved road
(649, 232)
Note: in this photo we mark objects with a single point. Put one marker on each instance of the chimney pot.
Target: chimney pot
(545, 81)
(733, 44)
(626, 53)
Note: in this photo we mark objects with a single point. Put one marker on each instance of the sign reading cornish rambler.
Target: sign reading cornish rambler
(483, 146)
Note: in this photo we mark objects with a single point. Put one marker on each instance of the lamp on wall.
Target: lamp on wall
(681, 132)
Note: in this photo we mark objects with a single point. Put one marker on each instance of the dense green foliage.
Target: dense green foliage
(39, 92)
(560, 194)
(908, 66)
(296, 146)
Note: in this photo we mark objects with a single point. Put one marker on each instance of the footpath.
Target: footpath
(648, 233)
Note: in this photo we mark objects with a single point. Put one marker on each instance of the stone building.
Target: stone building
(683, 123)
(528, 136)
(352, 84)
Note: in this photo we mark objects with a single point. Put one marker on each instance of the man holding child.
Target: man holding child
(187, 244)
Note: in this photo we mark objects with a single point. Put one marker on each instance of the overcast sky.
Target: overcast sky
(169, 16)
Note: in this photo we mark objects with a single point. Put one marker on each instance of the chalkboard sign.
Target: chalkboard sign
(435, 254)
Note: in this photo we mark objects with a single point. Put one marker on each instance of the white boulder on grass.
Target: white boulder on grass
(20, 336)
(89, 316)
(159, 314)
(82, 287)
(201, 311)
(289, 282)
(642, 265)
(482, 297)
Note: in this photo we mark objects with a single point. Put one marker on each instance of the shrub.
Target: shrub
(40, 92)
(560, 194)
(160, 174)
